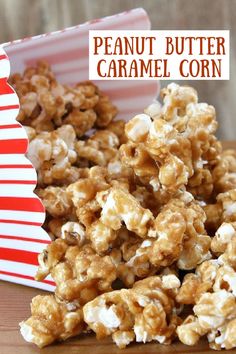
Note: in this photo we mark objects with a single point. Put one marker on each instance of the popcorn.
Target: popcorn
(190, 331)
(215, 316)
(101, 236)
(129, 205)
(213, 216)
(117, 206)
(222, 211)
(73, 233)
(153, 110)
(86, 188)
(54, 226)
(90, 93)
(51, 320)
(100, 148)
(31, 133)
(55, 201)
(224, 173)
(52, 156)
(118, 127)
(143, 313)
(177, 146)
(213, 291)
(46, 104)
(223, 237)
(79, 273)
(178, 234)
(105, 111)
(82, 121)
(138, 128)
(227, 201)
(49, 258)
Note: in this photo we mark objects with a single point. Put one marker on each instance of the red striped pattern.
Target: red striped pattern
(26, 277)
(10, 126)
(10, 181)
(4, 87)
(13, 146)
(13, 106)
(21, 256)
(16, 166)
(3, 56)
(129, 93)
(79, 53)
(20, 222)
(27, 239)
(21, 204)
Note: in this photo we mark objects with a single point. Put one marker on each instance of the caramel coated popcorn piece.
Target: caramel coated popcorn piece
(224, 210)
(175, 144)
(73, 233)
(31, 133)
(103, 218)
(82, 121)
(105, 110)
(143, 313)
(224, 173)
(118, 205)
(100, 148)
(228, 202)
(55, 200)
(178, 234)
(101, 236)
(223, 237)
(52, 154)
(51, 320)
(190, 331)
(213, 292)
(54, 226)
(49, 258)
(213, 216)
(79, 273)
(215, 316)
(118, 128)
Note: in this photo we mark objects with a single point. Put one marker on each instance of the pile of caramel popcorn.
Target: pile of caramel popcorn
(142, 216)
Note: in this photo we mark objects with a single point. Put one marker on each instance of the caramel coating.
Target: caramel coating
(46, 104)
(99, 149)
(56, 201)
(52, 154)
(143, 313)
(213, 292)
(79, 273)
(174, 144)
(51, 320)
(141, 215)
(224, 173)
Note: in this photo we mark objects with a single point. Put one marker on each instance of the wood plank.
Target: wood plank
(15, 306)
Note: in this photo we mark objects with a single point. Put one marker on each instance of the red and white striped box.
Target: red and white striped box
(21, 212)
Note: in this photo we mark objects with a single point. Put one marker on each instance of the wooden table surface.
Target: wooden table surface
(15, 306)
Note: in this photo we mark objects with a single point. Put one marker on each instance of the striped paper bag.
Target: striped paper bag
(21, 212)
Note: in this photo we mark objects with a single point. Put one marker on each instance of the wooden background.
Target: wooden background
(21, 18)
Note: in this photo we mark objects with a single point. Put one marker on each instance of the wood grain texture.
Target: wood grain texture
(22, 18)
(15, 306)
